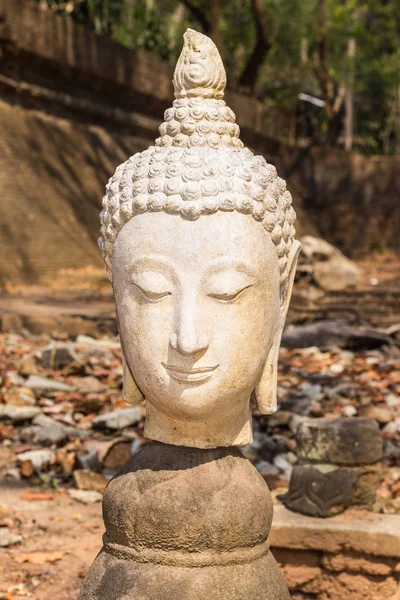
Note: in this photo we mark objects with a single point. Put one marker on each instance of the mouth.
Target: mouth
(185, 374)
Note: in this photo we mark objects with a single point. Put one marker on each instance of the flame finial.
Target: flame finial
(199, 71)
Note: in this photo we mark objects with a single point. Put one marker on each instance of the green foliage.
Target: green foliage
(158, 25)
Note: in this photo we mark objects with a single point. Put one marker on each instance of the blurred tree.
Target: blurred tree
(277, 49)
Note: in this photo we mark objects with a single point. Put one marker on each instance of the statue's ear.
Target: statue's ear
(266, 390)
(130, 390)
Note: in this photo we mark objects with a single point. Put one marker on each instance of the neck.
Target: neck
(235, 430)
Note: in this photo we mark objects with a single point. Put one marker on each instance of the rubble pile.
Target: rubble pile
(64, 425)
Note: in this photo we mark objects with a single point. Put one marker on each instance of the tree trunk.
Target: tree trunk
(215, 11)
(249, 77)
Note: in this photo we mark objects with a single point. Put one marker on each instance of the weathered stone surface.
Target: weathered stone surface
(343, 441)
(326, 490)
(173, 507)
(36, 382)
(118, 419)
(88, 385)
(330, 268)
(58, 355)
(88, 480)
(86, 496)
(376, 536)
(190, 517)
(358, 563)
(18, 413)
(46, 431)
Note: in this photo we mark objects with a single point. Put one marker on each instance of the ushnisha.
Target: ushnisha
(197, 234)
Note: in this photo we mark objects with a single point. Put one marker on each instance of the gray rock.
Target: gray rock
(36, 382)
(38, 458)
(342, 441)
(118, 419)
(7, 537)
(265, 468)
(18, 414)
(58, 355)
(89, 385)
(330, 268)
(86, 496)
(47, 431)
(326, 490)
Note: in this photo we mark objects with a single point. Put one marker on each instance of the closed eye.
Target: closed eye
(152, 295)
(229, 296)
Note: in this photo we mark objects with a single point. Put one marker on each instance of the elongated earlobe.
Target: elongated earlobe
(266, 390)
(130, 391)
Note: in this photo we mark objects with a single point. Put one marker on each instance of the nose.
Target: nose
(186, 338)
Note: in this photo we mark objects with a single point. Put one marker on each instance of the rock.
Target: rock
(265, 468)
(349, 410)
(89, 460)
(341, 441)
(330, 268)
(279, 418)
(328, 333)
(271, 446)
(27, 366)
(88, 385)
(118, 419)
(8, 538)
(47, 431)
(35, 382)
(20, 396)
(14, 378)
(18, 414)
(380, 413)
(283, 465)
(38, 458)
(118, 455)
(88, 480)
(86, 496)
(58, 355)
(336, 274)
(12, 475)
(326, 490)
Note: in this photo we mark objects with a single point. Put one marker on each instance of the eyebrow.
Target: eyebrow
(151, 262)
(232, 264)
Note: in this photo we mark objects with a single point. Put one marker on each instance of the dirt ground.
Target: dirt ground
(55, 528)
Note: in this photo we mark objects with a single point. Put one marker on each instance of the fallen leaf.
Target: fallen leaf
(26, 468)
(39, 558)
(28, 495)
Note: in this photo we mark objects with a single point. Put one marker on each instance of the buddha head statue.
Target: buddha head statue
(198, 239)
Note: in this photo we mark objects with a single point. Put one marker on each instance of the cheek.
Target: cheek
(144, 327)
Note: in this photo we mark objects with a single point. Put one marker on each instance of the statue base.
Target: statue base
(184, 523)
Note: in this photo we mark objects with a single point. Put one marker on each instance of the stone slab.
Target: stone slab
(361, 531)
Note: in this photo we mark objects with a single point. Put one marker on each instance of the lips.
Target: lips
(181, 373)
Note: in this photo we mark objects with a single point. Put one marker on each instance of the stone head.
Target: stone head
(198, 239)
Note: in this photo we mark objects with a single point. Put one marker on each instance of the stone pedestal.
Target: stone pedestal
(185, 523)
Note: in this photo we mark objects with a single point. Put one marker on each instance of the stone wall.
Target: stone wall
(73, 105)
(354, 556)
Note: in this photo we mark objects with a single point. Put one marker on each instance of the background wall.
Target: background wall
(75, 104)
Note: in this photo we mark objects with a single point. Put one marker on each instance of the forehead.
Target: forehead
(195, 244)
